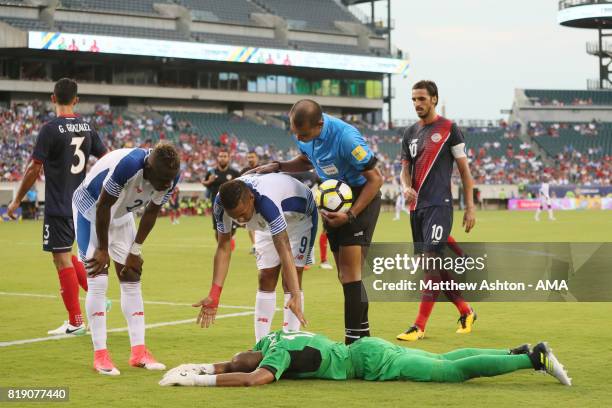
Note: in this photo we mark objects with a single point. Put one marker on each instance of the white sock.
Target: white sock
(537, 214)
(265, 305)
(133, 311)
(550, 214)
(95, 306)
(291, 322)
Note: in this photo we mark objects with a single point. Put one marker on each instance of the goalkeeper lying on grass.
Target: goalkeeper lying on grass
(308, 355)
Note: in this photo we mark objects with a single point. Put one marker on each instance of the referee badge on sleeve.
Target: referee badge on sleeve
(359, 153)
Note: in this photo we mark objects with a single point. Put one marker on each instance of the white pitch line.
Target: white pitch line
(120, 329)
(146, 302)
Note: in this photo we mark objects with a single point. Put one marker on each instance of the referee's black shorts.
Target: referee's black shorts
(359, 232)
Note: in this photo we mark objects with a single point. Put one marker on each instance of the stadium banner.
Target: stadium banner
(492, 271)
(580, 203)
(41, 40)
(572, 190)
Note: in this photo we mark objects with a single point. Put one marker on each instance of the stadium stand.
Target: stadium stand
(237, 11)
(199, 135)
(329, 47)
(130, 7)
(309, 14)
(569, 97)
(593, 139)
(118, 30)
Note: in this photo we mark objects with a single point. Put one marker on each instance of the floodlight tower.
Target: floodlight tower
(592, 15)
(382, 28)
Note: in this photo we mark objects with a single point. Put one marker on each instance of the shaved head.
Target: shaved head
(306, 119)
(306, 112)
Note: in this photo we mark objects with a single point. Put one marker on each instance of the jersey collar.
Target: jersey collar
(325, 129)
(69, 115)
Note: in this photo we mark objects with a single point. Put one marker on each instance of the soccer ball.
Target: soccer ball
(334, 196)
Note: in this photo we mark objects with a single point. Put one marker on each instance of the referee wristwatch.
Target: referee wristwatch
(351, 217)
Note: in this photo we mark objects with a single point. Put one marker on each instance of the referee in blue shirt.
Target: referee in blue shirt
(336, 150)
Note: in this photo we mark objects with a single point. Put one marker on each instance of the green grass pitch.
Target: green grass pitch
(178, 267)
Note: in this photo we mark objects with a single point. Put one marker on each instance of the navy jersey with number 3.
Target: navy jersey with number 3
(63, 146)
(429, 151)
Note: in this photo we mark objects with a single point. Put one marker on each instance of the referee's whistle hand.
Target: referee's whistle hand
(334, 219)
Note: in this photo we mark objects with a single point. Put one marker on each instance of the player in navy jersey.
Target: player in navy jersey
(336, 150)
(430, 147)
(62, 149)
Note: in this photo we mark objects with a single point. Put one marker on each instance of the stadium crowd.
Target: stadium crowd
(492, 162)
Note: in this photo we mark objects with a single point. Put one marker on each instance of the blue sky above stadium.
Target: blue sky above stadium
(479, 51)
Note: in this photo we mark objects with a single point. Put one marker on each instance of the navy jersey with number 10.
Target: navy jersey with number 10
(63, 146)
(430, 151)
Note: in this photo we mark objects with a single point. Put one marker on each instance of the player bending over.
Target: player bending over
(63, 147)
(308, 355)
(282, 212)
(121, 182)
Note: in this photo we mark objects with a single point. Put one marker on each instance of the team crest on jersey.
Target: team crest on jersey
(436, 137)
(228, 177)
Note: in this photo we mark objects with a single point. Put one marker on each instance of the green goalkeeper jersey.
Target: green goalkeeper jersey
(304, 355)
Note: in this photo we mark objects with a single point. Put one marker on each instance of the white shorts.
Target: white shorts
(545, 201)
(301, 239)
(121, 236)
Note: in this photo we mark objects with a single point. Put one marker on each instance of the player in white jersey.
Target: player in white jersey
(400, 201)
(119, 183)
(545, 201)
(282, 212)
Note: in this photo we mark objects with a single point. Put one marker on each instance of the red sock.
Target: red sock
(427, 303)
(452, 244)
(455, 296)
(70, 294)
(233, 244)
(81, 273)
(323, 247)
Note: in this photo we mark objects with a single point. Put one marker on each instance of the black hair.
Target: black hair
(167, 154)
(429, 86)
(65, 90)
(306, 112)
(231, 193)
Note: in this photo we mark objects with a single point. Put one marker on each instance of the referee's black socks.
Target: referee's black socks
(355, 312)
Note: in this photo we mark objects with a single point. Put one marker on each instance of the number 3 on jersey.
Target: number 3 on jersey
(77, 168)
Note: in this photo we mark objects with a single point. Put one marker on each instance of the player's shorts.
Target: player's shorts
(431, 227)
(545, 201)
(301, 239)
(121, 235)
(359, 232)
(175, 206)
(58, 234)
(375, 359)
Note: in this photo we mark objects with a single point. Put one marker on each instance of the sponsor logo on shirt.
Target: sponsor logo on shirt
(330, 169)
(359, 153)
(436, 137)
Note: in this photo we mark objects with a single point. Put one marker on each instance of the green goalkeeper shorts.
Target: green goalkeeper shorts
(375, 359)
